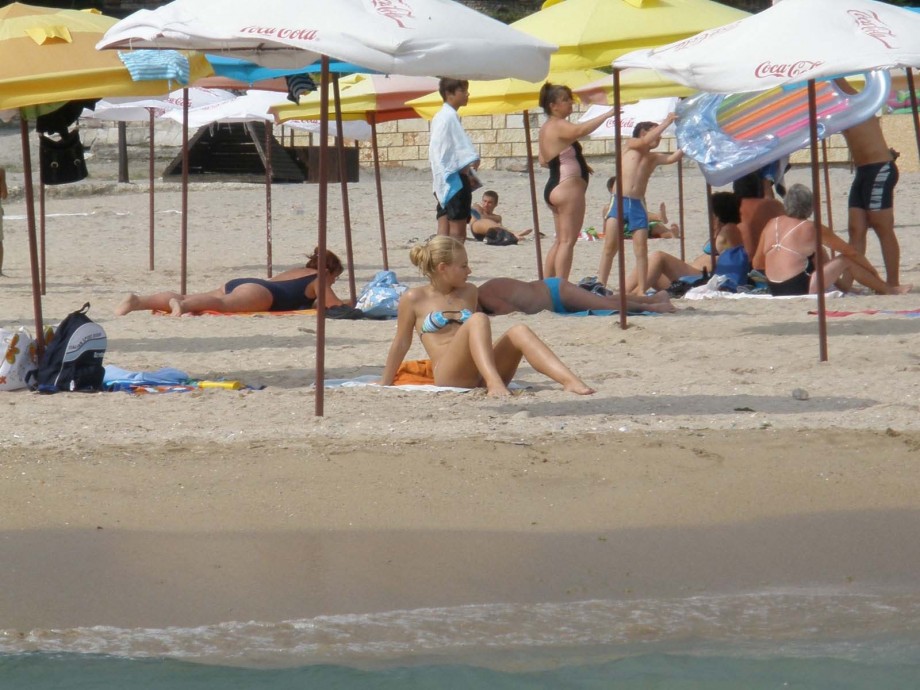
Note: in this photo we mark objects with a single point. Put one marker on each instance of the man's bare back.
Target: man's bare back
(867, 142)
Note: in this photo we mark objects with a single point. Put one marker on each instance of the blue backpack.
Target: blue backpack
(735, 265)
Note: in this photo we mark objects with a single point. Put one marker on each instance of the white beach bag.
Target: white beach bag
(19, 357)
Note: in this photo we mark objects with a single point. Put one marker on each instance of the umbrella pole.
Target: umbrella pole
(680, 207)
(712, 230)
(618, 186)
(343, 181)
(30, 229)
(150, 174)
(819, 253)
(321, 241)
(913, 106)
(183, 235)
(383, 229)
(533, 195)
(42, 215)
(268, 199)
(827, 186)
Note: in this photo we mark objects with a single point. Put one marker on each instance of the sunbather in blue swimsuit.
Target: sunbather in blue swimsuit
(437, 320)
(287, 295)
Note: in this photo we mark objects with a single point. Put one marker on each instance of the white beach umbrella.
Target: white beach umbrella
(649, 110)
(138, 109)
(351, 129)
(791, 42)
(413, 37)
(251, 106)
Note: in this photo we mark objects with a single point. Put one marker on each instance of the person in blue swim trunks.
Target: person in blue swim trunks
(288, 291)
(507, 295)
(639, 162)
(658, 223)
(458, 337)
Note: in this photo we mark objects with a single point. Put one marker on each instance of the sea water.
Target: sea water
(815, 639)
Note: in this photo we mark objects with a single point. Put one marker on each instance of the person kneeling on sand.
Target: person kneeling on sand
(457, 337)
(507, 295)
(486, 225)
(294, 289)
(787, 254)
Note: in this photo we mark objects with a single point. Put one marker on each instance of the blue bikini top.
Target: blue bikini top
(437, 320)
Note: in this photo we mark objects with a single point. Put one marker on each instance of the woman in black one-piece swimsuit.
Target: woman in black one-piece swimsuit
(288, 291)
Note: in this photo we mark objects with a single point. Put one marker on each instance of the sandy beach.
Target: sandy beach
(693, 469)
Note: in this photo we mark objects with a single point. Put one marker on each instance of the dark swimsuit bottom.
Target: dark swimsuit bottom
(553, 180)
(797, 284)
(287, 295)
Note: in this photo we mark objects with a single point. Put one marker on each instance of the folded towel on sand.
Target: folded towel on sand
(412, 375)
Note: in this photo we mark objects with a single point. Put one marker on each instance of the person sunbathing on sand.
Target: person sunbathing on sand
(486, 225)
(507, 295)
(457, 337)
(288, 291)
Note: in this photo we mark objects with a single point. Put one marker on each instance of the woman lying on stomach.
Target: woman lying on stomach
(288, 291)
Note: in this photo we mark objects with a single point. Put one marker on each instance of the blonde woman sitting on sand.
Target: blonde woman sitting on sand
(457, 337)
(289, 291)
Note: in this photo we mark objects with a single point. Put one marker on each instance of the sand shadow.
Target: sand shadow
(680, 405)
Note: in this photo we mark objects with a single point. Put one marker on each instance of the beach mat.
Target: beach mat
(208, 312)
(910, 313)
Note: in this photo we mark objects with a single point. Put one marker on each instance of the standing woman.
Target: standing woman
(568, 174)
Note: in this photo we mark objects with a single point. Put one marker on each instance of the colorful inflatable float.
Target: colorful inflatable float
(731, 135)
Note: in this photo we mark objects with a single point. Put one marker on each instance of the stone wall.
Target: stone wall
(501, 140)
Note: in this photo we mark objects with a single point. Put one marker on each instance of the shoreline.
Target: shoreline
(187, 536)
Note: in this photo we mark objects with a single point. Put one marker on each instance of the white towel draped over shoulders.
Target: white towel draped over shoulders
(450, 151)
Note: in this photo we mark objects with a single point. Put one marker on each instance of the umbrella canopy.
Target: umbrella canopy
(592, 33)
(363, 95)
(419, 37)
(138, 109)
(38, 46)
(635, 85)
(780, 46)
(650, 110)
(351, 129)
(253, 105)
(504, 95)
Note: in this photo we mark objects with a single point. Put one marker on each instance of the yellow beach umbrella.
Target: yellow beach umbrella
(498, 96)
(363, 97)
(49, 55)
(593, 33)
(635, 85)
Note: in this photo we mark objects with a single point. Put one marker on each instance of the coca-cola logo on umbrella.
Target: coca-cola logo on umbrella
(871, 25)
(399, 11)
(789, 69)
